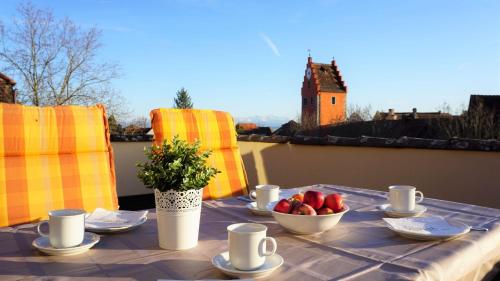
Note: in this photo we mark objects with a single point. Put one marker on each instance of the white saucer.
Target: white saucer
(42, 243)
(252, 207)
(221, 261)
(115, 229)
(389, 211)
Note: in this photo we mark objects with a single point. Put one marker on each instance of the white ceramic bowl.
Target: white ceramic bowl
(303, 224)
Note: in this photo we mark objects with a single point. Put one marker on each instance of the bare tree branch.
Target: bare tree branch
(356, 113)
(55, 61)
(479, 122)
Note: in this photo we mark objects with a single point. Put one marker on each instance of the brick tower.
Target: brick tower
(324, 95)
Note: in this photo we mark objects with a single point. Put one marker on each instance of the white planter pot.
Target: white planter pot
(178, 218)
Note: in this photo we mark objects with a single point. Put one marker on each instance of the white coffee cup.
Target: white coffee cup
(247, 245)
(66, 228)
(265, 194)
(402, 197)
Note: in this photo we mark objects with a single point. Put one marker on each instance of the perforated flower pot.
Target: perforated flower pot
(178, 218)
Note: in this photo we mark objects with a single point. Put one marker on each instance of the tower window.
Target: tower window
(333, 100)
(304, 101)
(312, 100)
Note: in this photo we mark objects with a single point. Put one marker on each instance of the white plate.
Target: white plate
(116, 229)
(446, 230)
(221, 261)
(42, 243)
(389, 211)
(252, 207)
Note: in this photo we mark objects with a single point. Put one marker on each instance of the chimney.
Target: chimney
(391, 111)
(414, 110)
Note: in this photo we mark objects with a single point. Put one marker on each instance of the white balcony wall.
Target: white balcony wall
(464, 176)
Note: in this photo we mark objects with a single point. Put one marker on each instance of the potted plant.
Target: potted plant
(178, 172)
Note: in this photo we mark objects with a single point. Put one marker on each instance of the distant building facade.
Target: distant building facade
(324, 94)
(392, 115)
(252, 129)
(488, 104)
(7, 92)
(246, 126)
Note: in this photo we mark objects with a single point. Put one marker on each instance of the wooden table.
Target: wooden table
(358, 248)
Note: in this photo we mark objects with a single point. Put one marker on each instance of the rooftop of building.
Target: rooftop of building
(7, 79)
(328, 77)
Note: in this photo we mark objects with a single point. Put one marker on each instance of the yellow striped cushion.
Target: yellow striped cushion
(54, 158)
(216, 131)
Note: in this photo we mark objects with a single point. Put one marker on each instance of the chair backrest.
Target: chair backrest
(54, 158)
(216, 132)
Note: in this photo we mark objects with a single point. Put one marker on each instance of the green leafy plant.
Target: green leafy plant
(178, 165)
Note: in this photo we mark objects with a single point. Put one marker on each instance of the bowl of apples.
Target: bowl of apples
(309, 213)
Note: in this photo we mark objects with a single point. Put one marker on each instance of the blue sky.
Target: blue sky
(248, 57)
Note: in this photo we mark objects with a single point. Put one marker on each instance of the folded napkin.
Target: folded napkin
(102, 218)
(425, 226)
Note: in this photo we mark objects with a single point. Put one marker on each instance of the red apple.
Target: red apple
(283, 206)
(325, 211)
(304, 209)
(334, 201)
(298, 197)
(314, 198)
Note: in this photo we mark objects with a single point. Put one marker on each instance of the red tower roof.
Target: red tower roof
(329, 78)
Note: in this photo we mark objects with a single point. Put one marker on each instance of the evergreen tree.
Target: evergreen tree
(114, 127)
(182, 100)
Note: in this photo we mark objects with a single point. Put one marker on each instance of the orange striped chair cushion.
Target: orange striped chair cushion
(216, 131)
(54, 158)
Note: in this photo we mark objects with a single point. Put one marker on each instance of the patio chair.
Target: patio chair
(54, 158)
(216, 132)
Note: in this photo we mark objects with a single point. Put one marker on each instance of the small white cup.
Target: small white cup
(265, 194)
(247, 245)
(66, 228)
(402, 197)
